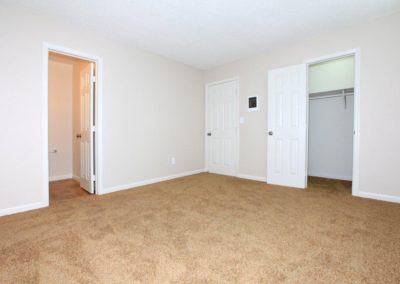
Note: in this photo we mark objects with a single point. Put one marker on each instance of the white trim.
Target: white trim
(329, 57)
(47, 47)
(60, 177)
(378, 196)
(45, 126)
(150, 181)
(250, 177)
(236, 78)
(330, 176)
(356, 138)
(23, 208)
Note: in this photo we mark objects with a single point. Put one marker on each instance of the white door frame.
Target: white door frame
(47, 47)
(356, 136)
(208, 85)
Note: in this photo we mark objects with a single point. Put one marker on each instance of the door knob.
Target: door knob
(78, 135)
(270, 133)
(209, 134)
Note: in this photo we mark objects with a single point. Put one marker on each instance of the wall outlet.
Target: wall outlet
(173, 161)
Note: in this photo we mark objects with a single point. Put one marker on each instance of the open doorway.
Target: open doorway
(288, 125)
(71, 126)
(331, 123)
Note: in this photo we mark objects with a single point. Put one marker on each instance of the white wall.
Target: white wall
(331, 75)
(153, 109)
(60, 118)
(380, 97)
(330, 138)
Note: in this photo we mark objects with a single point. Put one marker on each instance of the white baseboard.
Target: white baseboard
(149, 181)
(61, 177)
(330, 176)
(23, 208)
(256, 178)
(378, 196)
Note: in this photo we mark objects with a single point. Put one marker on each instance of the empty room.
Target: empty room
(200, 141)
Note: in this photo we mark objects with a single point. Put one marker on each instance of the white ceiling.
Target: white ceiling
(208, 33)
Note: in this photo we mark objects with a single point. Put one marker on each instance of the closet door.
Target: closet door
(86, 128)
(287, 93)
(222, 128)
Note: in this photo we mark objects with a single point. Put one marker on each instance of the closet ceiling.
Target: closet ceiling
(208, 33)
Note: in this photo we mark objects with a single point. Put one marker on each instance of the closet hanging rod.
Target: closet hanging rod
(331, 96)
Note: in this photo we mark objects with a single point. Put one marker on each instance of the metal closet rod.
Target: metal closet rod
(332, 94)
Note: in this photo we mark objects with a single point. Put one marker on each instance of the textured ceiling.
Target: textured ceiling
(208, 33)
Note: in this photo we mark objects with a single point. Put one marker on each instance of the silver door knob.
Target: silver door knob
(270, 133)
(209, 134)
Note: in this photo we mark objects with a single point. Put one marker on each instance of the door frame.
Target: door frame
(356, 136)
(48, 47)
(207, 86)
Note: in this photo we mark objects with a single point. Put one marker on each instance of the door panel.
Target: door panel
(222, 123)
(287, 126)
(86, 129)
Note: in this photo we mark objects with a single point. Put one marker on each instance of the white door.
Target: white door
(222, 128)
(286, 161)
(86, 127)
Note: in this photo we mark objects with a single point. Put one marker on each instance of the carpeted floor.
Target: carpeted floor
(204, 229)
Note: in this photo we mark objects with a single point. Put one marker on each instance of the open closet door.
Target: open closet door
(87, 177)
(287, 94)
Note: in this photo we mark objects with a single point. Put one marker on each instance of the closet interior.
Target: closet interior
(331, 119)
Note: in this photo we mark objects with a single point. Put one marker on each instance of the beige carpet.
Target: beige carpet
(204, 229)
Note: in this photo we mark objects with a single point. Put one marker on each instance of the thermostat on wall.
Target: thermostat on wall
(253, 103)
